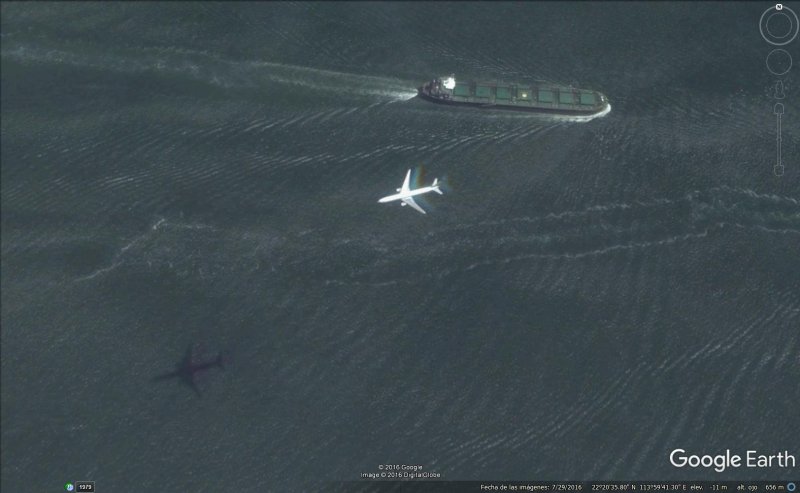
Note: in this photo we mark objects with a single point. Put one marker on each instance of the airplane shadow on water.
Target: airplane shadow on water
(192, 368)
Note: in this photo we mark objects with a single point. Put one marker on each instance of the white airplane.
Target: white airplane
(407, 195)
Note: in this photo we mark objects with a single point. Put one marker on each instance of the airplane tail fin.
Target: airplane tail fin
(435, 186)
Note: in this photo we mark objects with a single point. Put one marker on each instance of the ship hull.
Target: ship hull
(507, 107)
(521, 98)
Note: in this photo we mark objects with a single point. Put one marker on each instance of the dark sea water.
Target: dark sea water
(585, 297)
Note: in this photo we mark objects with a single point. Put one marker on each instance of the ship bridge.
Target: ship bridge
(449, 83)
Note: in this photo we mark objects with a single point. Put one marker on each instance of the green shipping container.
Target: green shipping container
(461, 90)
(588, 98)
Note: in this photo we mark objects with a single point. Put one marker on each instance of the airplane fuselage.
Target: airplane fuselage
(189, 370)
(204, 366)
(406, 195)
(410, 193)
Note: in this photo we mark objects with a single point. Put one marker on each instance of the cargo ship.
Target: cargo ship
(532, 98)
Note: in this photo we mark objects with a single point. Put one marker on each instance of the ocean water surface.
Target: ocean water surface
(584, 298)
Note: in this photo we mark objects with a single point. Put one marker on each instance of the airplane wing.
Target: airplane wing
(195, 384)
(195, 353)
(405, 183)
(190, 356)
(410, 201)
